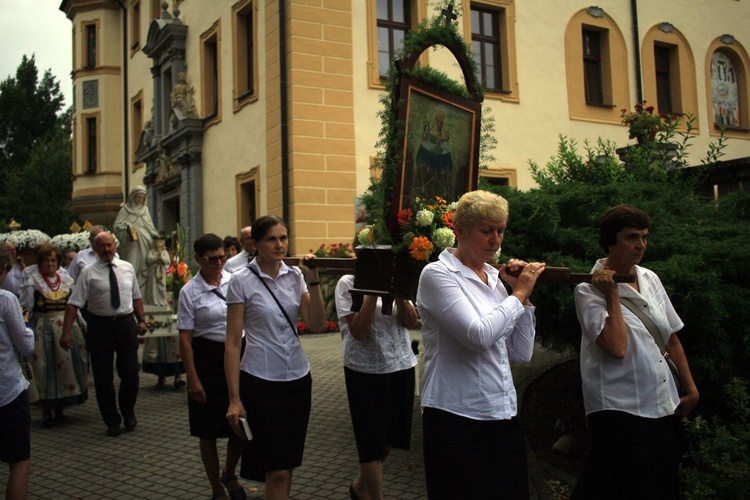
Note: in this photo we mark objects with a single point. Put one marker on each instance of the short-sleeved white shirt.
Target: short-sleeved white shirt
(470, 331)
(80, 261)
(237, 262)
(92, 287)
(640, 383)
(201, 310)
(272, 351)
(386, 350)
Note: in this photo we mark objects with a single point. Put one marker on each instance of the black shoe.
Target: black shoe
(353, 494)
(48, 419)
(130, 422)
(114, 430)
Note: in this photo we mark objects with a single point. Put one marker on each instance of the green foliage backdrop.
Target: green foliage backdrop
(35, 151)
(699, 248)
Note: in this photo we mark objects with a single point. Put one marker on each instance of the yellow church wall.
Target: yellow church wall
(322, 186)
(528, 130)
(333, 123)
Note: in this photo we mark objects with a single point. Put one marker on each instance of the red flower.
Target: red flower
(302, 327)
(404, 216)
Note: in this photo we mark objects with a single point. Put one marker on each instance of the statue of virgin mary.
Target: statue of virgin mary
(135, 230)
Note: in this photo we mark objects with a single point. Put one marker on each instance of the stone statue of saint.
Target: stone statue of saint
(136, 232)
(183, 103)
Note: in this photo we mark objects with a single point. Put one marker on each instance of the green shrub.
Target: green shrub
(699, 248)
(718, 461)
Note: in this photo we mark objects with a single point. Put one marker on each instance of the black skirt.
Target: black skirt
(278, 414)
(381, 406)
(640, 455)
(209, 420)
(466, 458)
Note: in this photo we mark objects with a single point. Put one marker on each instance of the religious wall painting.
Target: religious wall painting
(441, 144)
(724, 91)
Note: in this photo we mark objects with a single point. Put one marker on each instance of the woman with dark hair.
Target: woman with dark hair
(379, 373)
(232, 246)
(202, 322)
(474, 445)
(60, 374)
(15, 415)
(629, 393)
(272, 379)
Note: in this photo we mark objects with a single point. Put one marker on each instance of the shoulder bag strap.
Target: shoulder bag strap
(647, 322)
(651, 327)
(218, 293)
(291, 325)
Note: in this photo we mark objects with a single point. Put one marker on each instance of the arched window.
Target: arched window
(596, 64)
(668, 67)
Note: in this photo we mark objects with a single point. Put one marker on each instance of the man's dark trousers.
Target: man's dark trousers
(107, 336)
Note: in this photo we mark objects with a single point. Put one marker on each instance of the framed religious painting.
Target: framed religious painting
(440, 145)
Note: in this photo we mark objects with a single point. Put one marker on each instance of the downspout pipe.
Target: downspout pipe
(284, 112)
(125, 109)
(637, 51)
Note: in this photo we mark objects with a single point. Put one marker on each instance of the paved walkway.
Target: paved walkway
(76, 460)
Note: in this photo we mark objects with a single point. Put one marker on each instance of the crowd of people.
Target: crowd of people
(249, 381)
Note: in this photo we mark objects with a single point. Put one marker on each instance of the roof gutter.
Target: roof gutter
(637, 51)
(125, 110)
(284, 112)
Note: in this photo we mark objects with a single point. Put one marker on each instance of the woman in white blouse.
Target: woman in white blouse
(632, 402)
(15, 413)
(271, 385)
(474, 446)
(202, 322)
(379, 373)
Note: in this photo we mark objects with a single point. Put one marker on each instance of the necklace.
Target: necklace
(53, 286)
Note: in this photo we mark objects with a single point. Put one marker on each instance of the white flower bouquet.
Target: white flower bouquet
(71, 242)
(24, 239)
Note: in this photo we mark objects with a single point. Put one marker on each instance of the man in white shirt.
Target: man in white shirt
(110, 289)
(242, 259)
(84, 257)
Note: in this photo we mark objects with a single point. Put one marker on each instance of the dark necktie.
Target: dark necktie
(114, 289)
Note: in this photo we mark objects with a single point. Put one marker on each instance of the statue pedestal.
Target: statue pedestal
(161, 321)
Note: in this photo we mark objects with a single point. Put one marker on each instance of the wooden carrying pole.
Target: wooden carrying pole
(557, 275)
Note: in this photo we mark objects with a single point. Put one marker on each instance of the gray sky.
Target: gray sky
(36, 27)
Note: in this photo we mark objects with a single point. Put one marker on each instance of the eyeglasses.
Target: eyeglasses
(216, 258)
